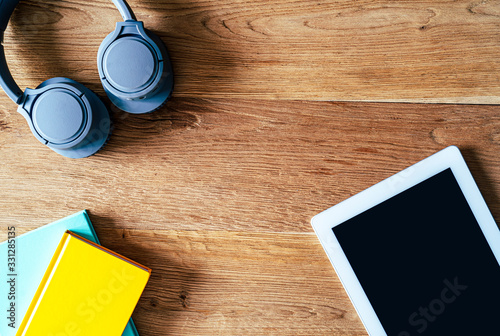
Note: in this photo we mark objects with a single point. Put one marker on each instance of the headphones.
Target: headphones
(136, 74)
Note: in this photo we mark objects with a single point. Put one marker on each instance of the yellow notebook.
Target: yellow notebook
(86, 290)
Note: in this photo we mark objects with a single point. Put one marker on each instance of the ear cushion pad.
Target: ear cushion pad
(135, 68)
(67, 117)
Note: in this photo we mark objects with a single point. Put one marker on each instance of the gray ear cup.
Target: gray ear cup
(67, 117)
(135, 69)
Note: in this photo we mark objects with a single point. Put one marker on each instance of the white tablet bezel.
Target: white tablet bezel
(323, 223)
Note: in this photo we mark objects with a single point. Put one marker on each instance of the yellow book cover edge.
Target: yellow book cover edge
(51, 267)
(42, 285)
(102, 248)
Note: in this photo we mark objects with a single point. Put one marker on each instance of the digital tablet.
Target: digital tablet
(418, 253)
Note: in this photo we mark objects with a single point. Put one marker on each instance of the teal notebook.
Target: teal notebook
(34, 251)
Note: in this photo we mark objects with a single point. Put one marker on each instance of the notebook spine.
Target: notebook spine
(43, 283)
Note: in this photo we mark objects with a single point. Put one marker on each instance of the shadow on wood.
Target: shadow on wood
(483, 180)
(168, 291)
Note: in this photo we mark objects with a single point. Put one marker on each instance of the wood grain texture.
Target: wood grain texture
(215, 190)
(239, 165)
(230, 283)
(417, 51)
(216, 197)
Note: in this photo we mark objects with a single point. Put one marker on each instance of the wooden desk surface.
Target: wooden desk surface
(215, 191)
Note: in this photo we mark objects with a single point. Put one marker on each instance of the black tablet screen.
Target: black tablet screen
(424, 262)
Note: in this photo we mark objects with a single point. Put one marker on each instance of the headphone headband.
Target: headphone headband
(6, 81)
(7, 7)
(125, 10)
